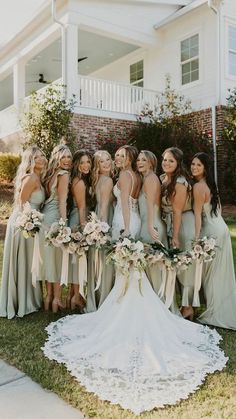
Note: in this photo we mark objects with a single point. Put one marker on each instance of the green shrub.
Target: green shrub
(8, 166)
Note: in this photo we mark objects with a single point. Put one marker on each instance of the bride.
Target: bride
(133, 351)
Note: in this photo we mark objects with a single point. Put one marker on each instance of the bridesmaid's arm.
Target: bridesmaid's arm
(198, 202)
(62, 191)
(125, 189)
(79, 193)
(29, 185)
(150, 188)
(178, 203)
(105, 199)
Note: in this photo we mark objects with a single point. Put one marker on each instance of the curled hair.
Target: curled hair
(131, 152)
(95, 173)
(54, 164)
(76, 174)
(25, 168)
(151, 158)
(209, 177)
(169, 189)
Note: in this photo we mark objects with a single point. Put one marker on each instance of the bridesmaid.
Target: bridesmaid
(218, 276)
(56, 185)
(102, 187)
(178, 215)
(81, 205)
(18, 296)
(152, 227)
(126, 190)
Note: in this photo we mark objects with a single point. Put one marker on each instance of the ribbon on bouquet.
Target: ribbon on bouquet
(82, 272)
(36, 260)
(98, 265)
(197, 282)
(64, 267)
(161, 291)
(170, 286)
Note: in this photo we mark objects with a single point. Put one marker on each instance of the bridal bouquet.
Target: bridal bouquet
(204, 249)
(96, 232)
(128, 254)
(29, 221)
(172, 259)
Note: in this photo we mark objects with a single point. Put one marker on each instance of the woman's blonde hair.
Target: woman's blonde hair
(95, 173)
(25, 168)
(150, 156)
(131, 152)
(54, 163)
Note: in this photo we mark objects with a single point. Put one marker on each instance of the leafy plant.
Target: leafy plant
(8, 166)
(48, 119)
(229, 145)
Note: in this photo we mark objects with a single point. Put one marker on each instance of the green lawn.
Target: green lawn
(21, 340)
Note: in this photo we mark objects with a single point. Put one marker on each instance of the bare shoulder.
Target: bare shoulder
(30, 180)
(200, 187)
(78, 184)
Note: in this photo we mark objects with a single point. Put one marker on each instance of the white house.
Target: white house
(114, 55)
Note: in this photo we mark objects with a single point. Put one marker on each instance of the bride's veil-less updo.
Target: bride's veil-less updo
(26, 167)
(54, 163)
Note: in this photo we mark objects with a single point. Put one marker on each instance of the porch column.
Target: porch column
(71, 56)
(18, 83)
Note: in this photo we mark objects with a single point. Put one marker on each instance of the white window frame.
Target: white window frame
(194, 82)
(138, 81)
(227, 50)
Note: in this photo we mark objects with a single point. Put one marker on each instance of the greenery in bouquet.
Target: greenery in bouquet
(29, 221)
(171, 258)
(59, 234)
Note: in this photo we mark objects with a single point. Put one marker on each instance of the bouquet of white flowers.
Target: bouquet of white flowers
(128, 254)
(77, 245)
(58, 234)
(96, 232)
(204, 249)
(29, 221)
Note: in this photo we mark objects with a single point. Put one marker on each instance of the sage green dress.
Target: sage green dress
(96, 298)
(18, 296)
(218, 279)
(52, 255)
(186, 238)
(74, 222)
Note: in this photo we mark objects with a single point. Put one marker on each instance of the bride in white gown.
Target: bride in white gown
(133, 351)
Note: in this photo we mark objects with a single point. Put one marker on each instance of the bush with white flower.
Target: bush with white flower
(29, 221)
(96, 232)
(204, 249)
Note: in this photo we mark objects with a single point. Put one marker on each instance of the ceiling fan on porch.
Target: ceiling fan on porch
(41, 79)
(79, 59)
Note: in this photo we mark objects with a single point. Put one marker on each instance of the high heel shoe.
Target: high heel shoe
(57, 305)
(47, 303)
(187, 312)
(77, 302)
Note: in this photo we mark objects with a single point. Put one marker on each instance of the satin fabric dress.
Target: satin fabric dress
(186, 238)
(52, 254)
(133, 351)
(18, 296)
(218, 279)
(96, 298)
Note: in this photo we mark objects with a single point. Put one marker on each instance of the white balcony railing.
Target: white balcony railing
(114, 96)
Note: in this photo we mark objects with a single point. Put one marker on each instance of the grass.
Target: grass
(20, 345)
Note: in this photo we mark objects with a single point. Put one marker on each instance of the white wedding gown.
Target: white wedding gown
(133, 351)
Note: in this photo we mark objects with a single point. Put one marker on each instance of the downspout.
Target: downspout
(215, 6)
(63, 46)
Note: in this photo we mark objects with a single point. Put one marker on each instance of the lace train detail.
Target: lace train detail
(133, 351)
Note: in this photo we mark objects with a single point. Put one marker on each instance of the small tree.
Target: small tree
(49, 120)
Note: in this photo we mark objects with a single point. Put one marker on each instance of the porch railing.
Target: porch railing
(114, 96)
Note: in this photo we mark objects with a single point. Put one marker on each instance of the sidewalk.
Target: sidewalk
(22, 398)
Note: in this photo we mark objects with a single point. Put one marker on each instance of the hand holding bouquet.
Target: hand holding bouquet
(29, 221)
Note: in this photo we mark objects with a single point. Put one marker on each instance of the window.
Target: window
(232, 50)
(190, 59)
(136, 74)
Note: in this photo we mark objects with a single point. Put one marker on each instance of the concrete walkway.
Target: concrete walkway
(22, 398)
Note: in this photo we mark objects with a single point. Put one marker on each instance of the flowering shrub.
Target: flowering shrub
(29, 221)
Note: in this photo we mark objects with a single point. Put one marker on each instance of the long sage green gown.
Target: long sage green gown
(52, 255)
(74, 223)
(18, 296)
(186, 238)
(96, 298)
(218, 279)
(153, 272)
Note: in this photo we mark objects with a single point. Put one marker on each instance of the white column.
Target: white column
(19, 83)
(71, 56)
